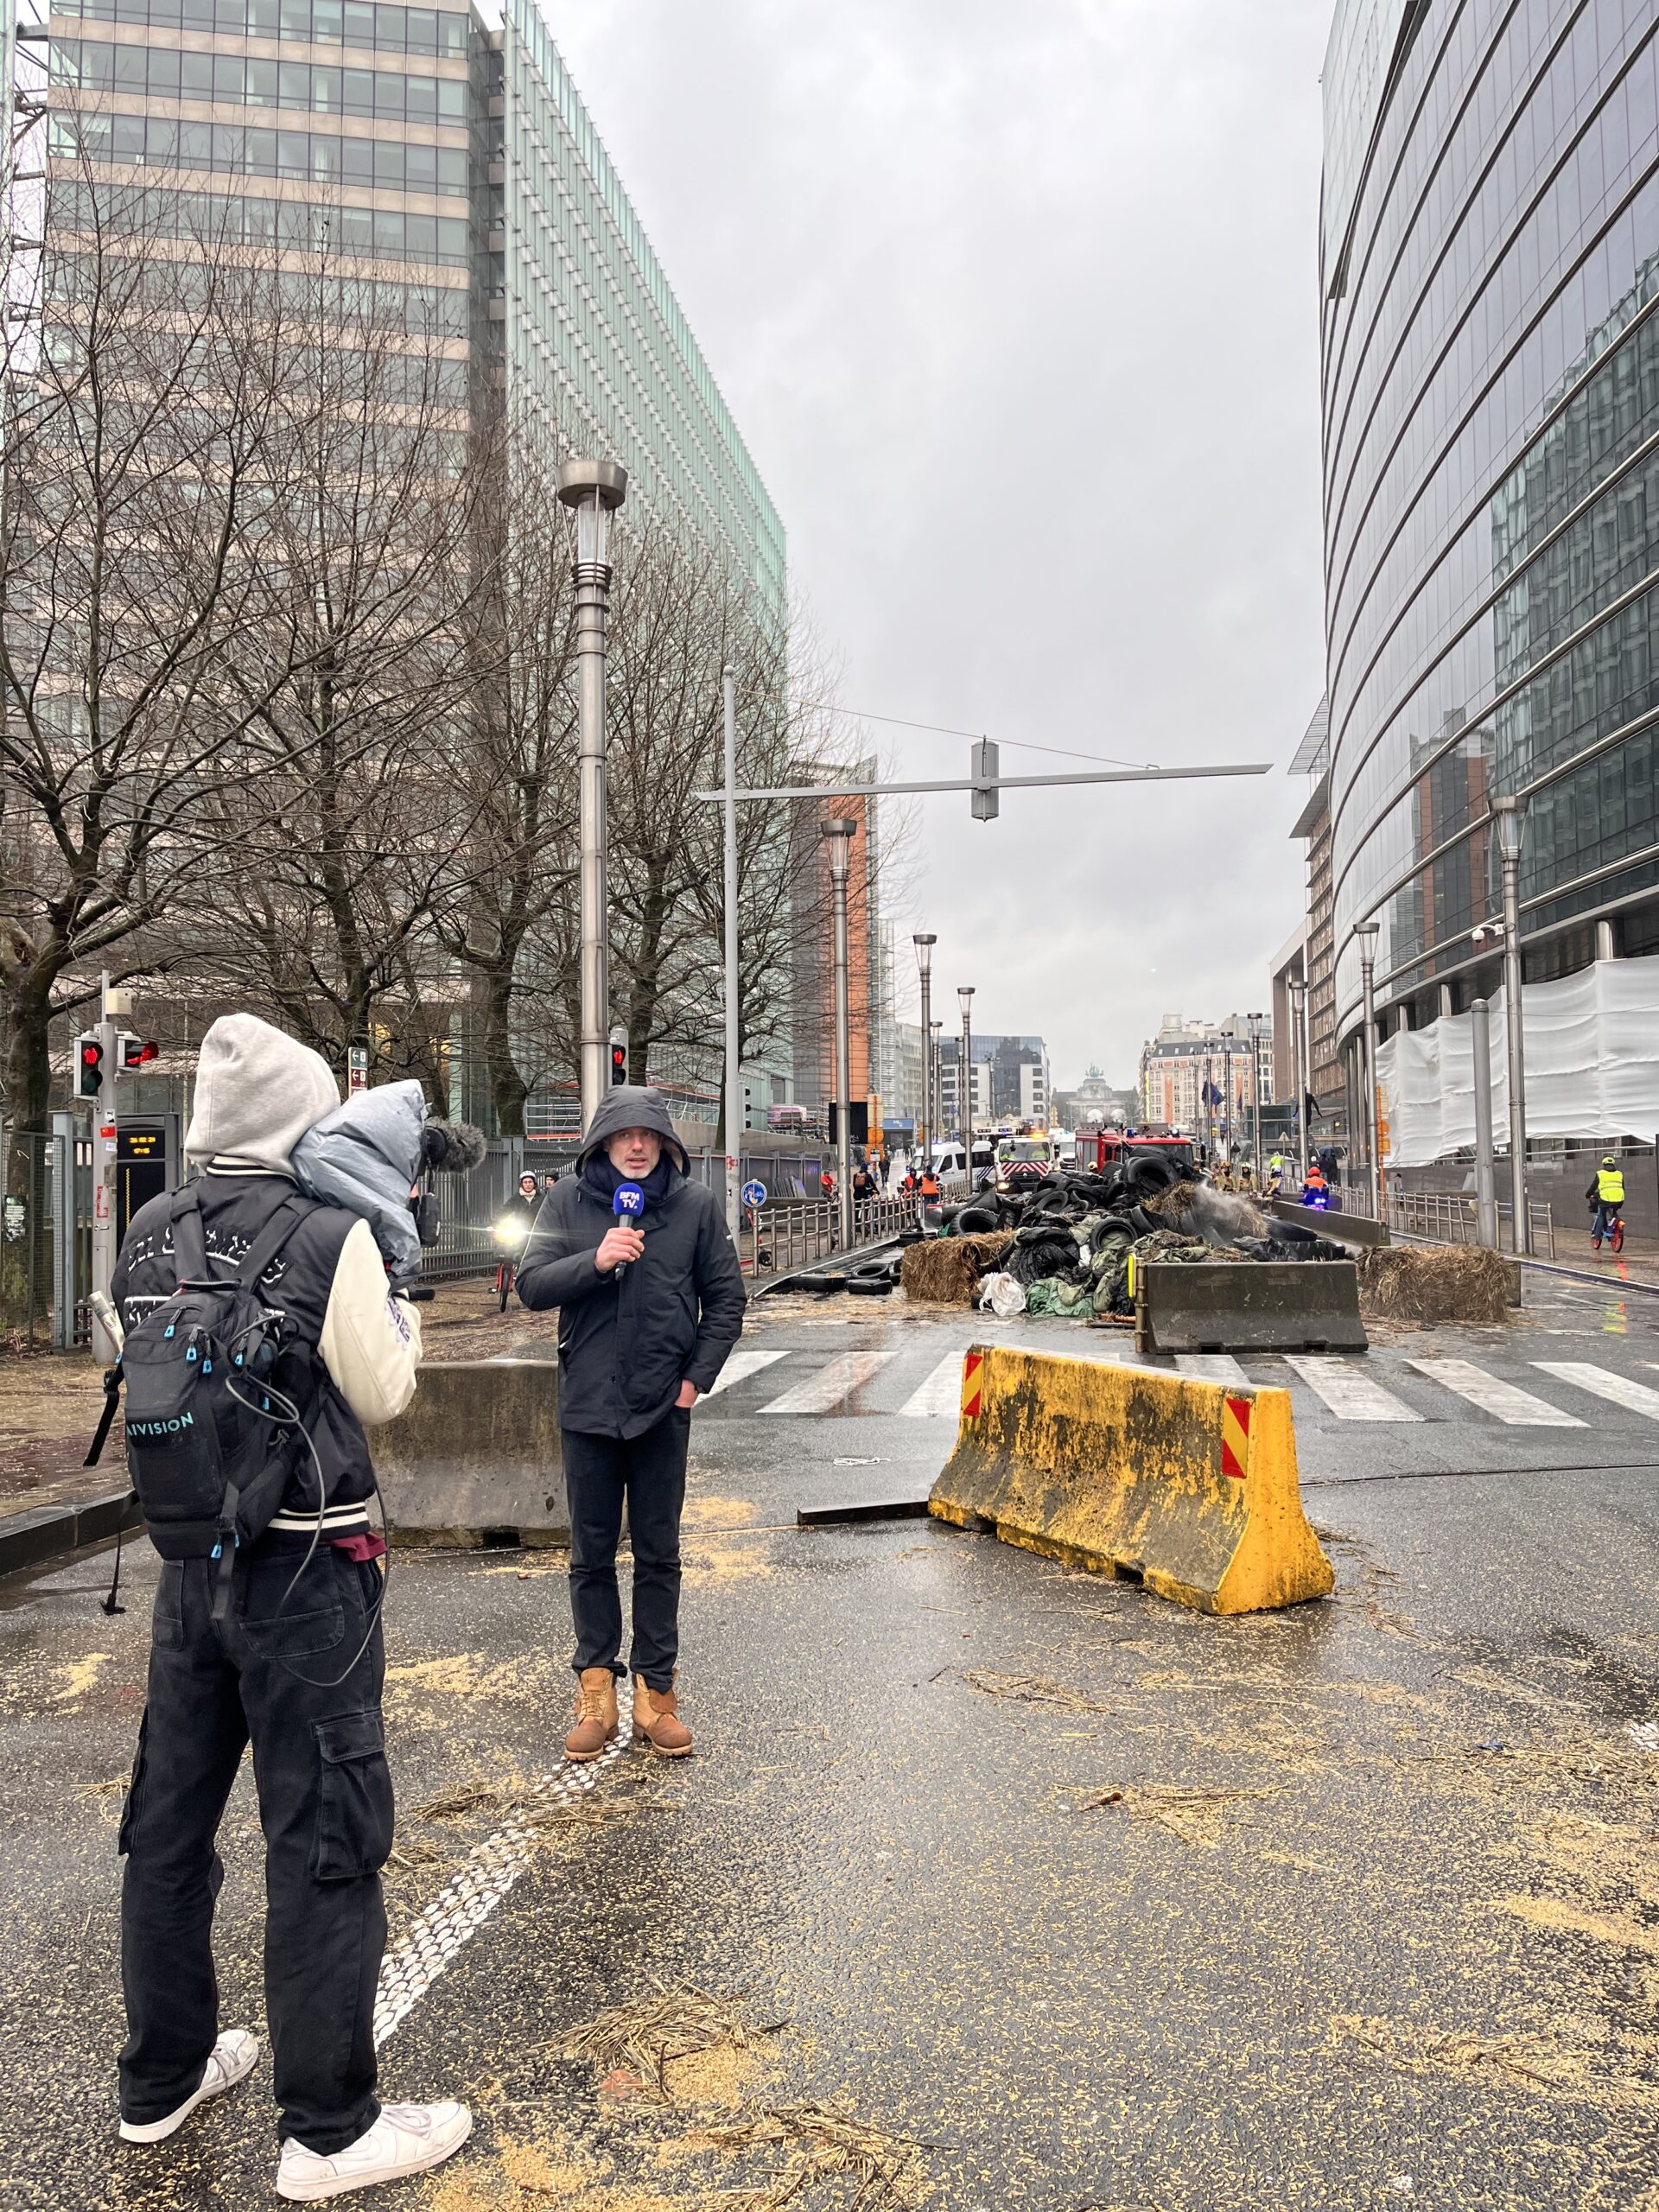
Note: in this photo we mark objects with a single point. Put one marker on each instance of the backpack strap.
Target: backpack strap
(189, 1244)
(270, 1240)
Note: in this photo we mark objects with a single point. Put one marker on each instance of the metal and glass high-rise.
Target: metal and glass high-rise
(455, 166)
(1489, 329)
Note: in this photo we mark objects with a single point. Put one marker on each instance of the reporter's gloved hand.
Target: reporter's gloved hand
(618, 1246)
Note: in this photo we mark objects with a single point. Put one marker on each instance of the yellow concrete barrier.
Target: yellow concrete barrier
(1188, 1487)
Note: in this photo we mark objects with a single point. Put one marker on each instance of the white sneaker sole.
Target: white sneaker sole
(314, 2192)
(157, 2131)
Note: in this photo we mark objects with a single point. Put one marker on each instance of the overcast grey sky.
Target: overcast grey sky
(1014, 302)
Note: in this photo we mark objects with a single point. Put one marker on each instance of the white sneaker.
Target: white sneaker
(234, 2055)
(405, 2139)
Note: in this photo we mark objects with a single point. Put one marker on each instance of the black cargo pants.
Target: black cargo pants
(324, 1804)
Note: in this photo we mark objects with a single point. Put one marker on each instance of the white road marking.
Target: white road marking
(1350, 1393)
(468, 1899)
(1618, 1389)
(822, 1392)
(941, 1395)
(1211, 1367)
(1506, 1401)
(741, 1365)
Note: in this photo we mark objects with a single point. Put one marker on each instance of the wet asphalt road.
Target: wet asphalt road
(1103, 1905)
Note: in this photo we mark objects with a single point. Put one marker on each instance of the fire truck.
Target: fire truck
(1101, 1151)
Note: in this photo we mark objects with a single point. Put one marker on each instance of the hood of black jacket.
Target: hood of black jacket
(632, 1107)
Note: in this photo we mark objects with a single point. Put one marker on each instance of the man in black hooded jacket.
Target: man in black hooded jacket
(647, 1315)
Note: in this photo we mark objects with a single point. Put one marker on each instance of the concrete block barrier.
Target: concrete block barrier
(475, 1461)
(1248, 1306)
(1355, 1228)
(1189, 1488)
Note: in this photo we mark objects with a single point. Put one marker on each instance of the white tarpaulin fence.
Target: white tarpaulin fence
(1592, 1066)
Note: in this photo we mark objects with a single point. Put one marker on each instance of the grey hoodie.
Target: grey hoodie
(258, 1092)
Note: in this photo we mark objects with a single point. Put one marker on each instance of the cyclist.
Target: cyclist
(1606, 1194)
(511, 1233)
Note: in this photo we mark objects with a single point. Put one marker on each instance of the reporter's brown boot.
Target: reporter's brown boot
(657, 1721)
(596, 1721)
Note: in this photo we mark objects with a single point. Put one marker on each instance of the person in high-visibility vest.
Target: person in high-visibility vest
(1607, 1195)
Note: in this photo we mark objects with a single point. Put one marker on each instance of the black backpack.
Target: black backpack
(212, 1442)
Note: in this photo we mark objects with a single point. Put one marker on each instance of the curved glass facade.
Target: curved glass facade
(1489, 331)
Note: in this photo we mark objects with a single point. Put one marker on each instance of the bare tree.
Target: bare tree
(137, 413)
(344, 844)
(520, 762)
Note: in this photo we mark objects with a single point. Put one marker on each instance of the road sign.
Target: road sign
(754, 1194)
(357, 1067)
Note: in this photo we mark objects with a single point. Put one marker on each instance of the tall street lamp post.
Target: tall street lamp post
(924, 944)
(592, 490)
(1298, 1000)
(965, 1000)
(1366, 932)
(733, 1116)
(840, 831)
(1511, 816)
(936, 1075)
(1227, 1084)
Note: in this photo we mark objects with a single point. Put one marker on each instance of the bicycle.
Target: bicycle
(512, 1233)
(1613, 1229)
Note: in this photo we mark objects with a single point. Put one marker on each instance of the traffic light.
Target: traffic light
(138, 1052)
(984, 767)
(91, 1067)
(618, 1064)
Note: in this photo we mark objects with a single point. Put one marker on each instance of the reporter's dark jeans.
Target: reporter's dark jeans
(648, 1470)
(325, 1803)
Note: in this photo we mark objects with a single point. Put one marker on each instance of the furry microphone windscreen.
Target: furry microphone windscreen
(451, 1147)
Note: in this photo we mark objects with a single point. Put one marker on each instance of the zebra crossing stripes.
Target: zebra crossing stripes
(1211, 1367)
(1505, 1401)
(1346, 1389)
(1618, 1390)
(940, 1396)
(1350, 1393)
(824, 1391)
(740, 1367)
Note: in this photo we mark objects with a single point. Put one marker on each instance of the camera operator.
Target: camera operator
(277, 1644)
(647, 1315)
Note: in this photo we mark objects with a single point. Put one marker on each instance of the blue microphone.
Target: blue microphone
(627, 1206)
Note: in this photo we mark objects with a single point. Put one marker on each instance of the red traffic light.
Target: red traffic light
(138, 1052)
(91, 1067)
(618, 1064)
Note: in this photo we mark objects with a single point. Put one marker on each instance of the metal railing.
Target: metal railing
(1448, 1217)
(778, 1239)
(46, 1238)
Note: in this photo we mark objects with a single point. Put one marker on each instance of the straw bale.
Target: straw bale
(948, 1268)
(1454, 1282)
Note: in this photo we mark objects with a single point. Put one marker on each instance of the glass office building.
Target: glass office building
(595, 336)
(1490, 341)
(454, 164)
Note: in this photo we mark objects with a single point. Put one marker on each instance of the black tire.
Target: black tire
(1151, 1171)
(870, 1286)
(506, 1286)
(976, 1221)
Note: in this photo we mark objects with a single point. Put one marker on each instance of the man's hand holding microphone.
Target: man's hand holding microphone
(623, 1243)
